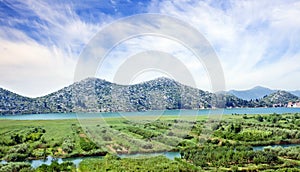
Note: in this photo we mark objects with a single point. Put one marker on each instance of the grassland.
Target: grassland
(204, 143)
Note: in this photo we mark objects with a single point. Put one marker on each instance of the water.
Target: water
(50, 159)
(169, 155)
(57, 116)
(256, 148)
(77, 160)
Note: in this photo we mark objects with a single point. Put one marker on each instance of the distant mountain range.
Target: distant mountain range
(97, 95)
(257, 92)
(296, 92)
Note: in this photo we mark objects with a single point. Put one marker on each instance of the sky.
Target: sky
(257, 42)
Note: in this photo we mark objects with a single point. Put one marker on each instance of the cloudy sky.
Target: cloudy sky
(257, 42)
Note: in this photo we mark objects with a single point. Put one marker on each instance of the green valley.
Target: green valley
(204, 144)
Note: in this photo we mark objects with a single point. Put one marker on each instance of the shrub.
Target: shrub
(15, 166)
(87, 145)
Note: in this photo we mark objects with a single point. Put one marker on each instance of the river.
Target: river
(256, 148)
(169, 155)
(57, 116)
(77, 160)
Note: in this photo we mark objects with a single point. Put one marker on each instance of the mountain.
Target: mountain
(96, 95)
(254, 93)
(296, 92)
(12, 103)
(280, 97)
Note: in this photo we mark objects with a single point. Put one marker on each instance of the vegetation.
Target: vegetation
(114, 163)
(225, 145)
(96, 95)
(24, 140)
(56, 167)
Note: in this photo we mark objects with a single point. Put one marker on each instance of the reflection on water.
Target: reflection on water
(256, 148)
(170, 155)
(77, 160)
(50, 159)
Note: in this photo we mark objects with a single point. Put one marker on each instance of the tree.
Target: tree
(260, 118)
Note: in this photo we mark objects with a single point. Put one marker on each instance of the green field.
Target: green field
(204, 144)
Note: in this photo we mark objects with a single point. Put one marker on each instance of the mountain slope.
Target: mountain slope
(296, 92)
(254, 93)
(280, 97)
(14, 103)
(96, 95)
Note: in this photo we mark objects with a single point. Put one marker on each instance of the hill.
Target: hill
(280, 97)
(257, 92)
(97, 95)
(13, 103)
(296, 92)
(277, 99)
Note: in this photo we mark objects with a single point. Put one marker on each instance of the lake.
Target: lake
(57, 116)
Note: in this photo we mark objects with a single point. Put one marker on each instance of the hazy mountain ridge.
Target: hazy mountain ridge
(253, 93)
(97, 95)
(257, 92)
(296, 92)
(279, 98)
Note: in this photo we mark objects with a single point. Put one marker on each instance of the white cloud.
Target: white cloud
(134, 46)
(32, 69)
(256, 41)
(37, 67)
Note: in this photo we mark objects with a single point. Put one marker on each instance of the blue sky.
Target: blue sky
(257, 42)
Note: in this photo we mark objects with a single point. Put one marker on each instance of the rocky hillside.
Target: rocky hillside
(11, 103)
(257, 92)
(96, 95)
(280, 97)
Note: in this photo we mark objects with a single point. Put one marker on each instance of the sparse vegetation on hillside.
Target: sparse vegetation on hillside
(96, 95)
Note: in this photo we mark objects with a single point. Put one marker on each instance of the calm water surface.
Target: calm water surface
(56, 116)
(77, 160)
(256, 148)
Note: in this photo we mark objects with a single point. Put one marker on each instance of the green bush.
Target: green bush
(15, 166)
(87, 145)
(68, 145)
(56, 167)
(15, 157)
(114, 163)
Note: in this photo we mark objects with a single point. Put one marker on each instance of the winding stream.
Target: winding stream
(77, 160)
(256, 148)
(169, 155)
